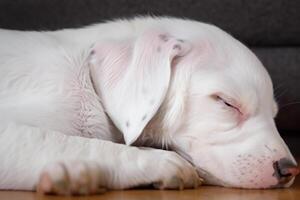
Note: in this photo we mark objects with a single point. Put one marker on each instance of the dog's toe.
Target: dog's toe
(72, 178)
(174, 183)
(47, 185)
(176, 173)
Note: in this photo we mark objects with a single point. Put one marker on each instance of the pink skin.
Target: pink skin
(117, 55)
(255, 171)
(240, 110)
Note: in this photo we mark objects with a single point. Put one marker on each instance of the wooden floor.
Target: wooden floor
(203, 193)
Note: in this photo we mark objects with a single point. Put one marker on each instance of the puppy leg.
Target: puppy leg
(26, 150)
(63, 164)
(126, 167)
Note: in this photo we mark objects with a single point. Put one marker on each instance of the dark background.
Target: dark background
(271, 28)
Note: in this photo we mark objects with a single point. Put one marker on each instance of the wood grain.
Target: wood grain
(203, 193)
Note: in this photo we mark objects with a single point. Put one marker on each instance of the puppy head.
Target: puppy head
(212, 101)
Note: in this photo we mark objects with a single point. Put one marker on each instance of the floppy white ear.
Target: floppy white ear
(132, 78)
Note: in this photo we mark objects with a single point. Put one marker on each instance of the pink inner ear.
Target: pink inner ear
(111, 60)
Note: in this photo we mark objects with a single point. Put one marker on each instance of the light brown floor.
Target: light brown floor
(203, 193)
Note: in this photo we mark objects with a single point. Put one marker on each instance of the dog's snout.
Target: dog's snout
(285, 170)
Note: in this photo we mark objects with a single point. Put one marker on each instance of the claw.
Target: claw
(158, 185)
(176, 183)
(198, 182)
(45, 184)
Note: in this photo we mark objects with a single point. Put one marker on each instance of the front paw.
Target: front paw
(173, 172)
(71, 178)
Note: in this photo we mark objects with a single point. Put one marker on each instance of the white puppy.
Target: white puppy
(156, 82)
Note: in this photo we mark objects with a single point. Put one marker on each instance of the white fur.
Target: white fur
(47, 99)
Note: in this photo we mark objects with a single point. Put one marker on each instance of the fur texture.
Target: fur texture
(159, 82)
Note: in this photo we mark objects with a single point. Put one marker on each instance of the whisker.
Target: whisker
(279, 86)
(280, 90)
(279, 95)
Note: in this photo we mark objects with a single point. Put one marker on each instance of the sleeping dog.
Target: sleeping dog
(166, 102)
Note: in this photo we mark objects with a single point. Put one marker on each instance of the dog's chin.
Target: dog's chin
(210, 179)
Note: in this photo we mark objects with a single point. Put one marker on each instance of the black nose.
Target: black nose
(285, 170)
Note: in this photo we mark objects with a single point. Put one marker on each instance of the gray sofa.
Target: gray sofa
(270, 27)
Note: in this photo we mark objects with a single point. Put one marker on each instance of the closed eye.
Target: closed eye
(228, 102)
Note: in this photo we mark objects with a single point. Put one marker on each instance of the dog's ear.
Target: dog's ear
(132, 78)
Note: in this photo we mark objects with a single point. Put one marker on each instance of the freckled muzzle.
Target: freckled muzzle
(285, 170)
(252, 172)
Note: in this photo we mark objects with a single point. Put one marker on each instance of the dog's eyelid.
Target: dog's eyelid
(228, 101)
